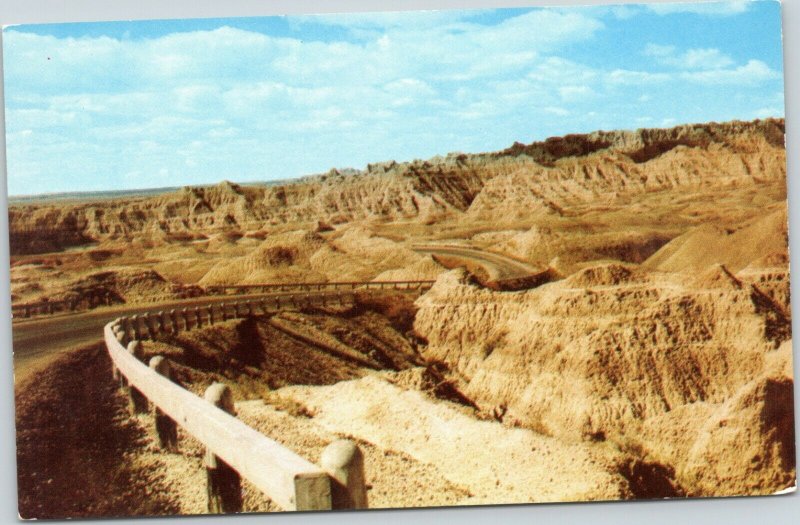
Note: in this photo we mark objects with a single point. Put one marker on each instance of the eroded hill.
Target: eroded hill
(546, 178)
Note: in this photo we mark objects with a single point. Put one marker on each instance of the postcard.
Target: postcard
(399, 259)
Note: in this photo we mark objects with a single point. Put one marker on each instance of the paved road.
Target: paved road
(497, 266)
(38, 340)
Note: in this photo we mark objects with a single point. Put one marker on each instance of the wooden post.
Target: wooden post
(119, 330)
(211, 317)
(176, 323)
(185, 313)
(312, 492)
(224, 486)
(137, 402)
(119, 334)
(126, 325)
(165, 322)
(166, 428)
(151, 323)
(135, 327)
(224, 311)
(207, 314)
(344, 462)
(197, 318)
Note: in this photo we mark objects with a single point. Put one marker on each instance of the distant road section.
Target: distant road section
(497, 266)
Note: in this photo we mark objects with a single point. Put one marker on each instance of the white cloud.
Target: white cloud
(704, 59)
(388, 19)
(768, 112)
(409, 86)
(752, 73)
(575, 93)
(554, 110)
(726, 8)
(624, 12)
(656, 50)
(697, 58)
(626, 77)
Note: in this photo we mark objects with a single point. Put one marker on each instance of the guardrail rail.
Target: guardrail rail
(234, 450)
(93, 300)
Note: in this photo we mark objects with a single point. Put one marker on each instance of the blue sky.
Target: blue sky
(106, 106)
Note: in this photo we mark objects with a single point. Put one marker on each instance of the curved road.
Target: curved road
(35, 341)
(498, 267)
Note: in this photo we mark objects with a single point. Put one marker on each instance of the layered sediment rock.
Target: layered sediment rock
(614, 353)
(544, 178)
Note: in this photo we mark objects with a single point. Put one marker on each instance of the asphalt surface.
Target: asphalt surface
(37, 340)
(497, 266)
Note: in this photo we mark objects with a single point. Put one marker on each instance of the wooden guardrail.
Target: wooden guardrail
(234, 449)
(93, 300)
(88, 301)
(318, 286)
(152, 324)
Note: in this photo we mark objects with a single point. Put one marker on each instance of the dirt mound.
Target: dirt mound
(603, 275)
(707, 245)
(115, 285)
(356, 254)
(598, 363)
(426, 269)
(576, 244)
(279, 258)
(539, 241)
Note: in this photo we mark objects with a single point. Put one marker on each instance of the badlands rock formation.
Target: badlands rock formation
(520, 182)
(648, 354)
(694, 373)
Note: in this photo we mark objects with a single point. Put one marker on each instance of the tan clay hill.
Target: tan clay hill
(649, 355)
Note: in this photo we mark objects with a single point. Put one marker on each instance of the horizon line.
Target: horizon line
(297, 178)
